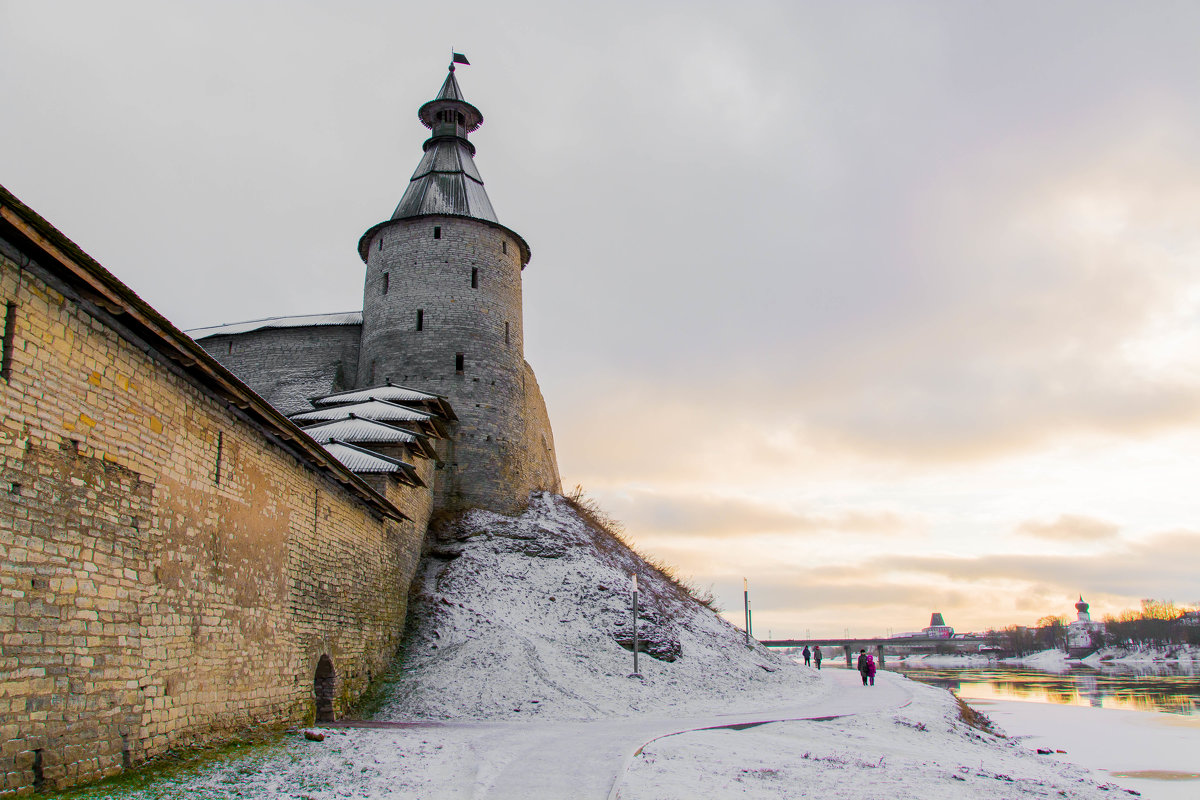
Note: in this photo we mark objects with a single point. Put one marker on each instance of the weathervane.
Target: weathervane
(457, 58)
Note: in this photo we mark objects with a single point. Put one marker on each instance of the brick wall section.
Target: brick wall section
(147, 601)
(287, 366)
(498, 455)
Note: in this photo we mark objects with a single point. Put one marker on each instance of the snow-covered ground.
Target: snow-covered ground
(938, 661)
(920, 750)
(1045, 660)
(518, 617)
(1182, 656)
(514, 685)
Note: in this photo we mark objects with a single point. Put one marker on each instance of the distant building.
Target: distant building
(938, 629)
(1081, 634)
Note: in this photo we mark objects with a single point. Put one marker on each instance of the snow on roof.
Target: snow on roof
(389, 392)
(302, 321)
(357, 429)
(378, 410)
(360, 460)
(403, 395)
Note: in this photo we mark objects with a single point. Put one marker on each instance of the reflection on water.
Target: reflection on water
(1141, 688)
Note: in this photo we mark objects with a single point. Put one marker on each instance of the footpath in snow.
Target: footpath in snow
(514, 683)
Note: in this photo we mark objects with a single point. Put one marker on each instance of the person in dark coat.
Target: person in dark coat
(807, 655)
(864, 665)
(817, 656)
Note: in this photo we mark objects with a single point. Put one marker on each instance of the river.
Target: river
(1168, 689)
(1139, 725)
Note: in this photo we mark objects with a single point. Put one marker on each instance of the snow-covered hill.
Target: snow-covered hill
(522, 615)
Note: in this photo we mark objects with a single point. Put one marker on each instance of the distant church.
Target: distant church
(1083, 634)
(441, 321)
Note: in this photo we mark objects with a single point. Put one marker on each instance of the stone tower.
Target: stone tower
(442, 311)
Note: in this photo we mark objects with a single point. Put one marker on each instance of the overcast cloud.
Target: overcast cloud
(847, 287)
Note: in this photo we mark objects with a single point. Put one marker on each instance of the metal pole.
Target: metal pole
(635, 630)
(746, 598)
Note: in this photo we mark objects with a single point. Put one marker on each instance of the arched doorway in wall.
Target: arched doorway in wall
(323, 689)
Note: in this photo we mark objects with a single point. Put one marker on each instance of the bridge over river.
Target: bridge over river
(852, 646)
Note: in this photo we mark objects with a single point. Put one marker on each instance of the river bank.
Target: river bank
(1183, 656)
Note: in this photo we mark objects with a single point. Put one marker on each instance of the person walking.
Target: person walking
(863, 661)
(807, 655)
(817, 656)
(871, 668)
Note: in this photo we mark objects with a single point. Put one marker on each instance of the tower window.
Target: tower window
(474, 277)
(437, 231)
(506, 338)
(458, 362)
(387, 279)
(380, 247)
(420, 319)
(504, 247)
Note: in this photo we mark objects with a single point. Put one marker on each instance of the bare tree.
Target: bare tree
(1052, 631)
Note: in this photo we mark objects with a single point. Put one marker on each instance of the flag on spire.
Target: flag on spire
(459, 58)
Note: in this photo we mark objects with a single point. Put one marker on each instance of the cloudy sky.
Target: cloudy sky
(887, 307)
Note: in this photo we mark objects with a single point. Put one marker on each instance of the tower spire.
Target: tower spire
(446, 180)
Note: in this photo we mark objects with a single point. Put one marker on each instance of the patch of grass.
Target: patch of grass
(975, 719)
(591, 512)
(160, 776)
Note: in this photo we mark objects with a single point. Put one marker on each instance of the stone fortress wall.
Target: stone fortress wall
(442, 312)
(178, 561)
(287, 366)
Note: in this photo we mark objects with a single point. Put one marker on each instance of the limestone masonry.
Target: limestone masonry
(201, 535)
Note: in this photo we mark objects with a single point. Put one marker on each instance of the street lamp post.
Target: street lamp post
(635, 674)
(746, 598)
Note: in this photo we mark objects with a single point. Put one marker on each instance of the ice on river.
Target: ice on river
(1119, 743)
